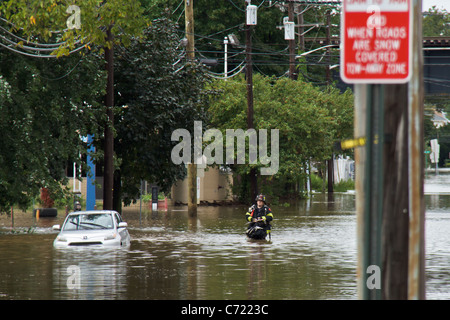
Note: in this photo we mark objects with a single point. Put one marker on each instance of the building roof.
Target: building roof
(439, 119)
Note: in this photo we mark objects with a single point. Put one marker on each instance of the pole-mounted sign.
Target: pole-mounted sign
(376, 41)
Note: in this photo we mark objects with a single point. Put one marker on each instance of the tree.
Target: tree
(309, 121)
(158, 91)
(51, 20)
(269, 48)
(101, 23)
(45, 109)
(436, 22)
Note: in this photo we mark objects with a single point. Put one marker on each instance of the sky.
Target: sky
(426, 4)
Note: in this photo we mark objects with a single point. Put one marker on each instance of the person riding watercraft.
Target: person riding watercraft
(259, 217)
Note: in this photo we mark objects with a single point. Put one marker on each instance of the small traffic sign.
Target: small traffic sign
(376, 41)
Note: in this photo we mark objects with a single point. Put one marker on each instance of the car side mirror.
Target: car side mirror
(56, 227)
(122, 225)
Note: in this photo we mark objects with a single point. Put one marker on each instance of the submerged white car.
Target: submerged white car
(91, 228)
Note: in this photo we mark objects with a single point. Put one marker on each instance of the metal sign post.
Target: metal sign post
(381, 54)
(90, 176)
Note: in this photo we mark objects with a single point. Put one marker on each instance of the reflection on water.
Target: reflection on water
(438, 255)
(89, 273)
(437, 235)
(312, 255)
(437, 183)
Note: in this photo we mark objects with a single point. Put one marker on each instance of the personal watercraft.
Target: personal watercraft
(258, 230)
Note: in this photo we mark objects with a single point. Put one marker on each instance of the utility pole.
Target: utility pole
(416, 254)
(328, 78)
(389, 177)
(108, 175)
(394, 242)
(300, 21)
(292, 73)
(403, 222)
(191, 167)
(249, 77)
(328, 42)
(189, 28)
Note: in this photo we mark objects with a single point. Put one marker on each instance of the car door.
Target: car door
(123, 232)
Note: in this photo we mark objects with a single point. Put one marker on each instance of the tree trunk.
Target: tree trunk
(108, 174)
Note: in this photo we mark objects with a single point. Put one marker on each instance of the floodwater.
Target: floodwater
(312, 254)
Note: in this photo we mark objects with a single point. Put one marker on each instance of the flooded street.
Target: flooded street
(312, 254)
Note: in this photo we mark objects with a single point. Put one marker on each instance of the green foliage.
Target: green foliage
(158, 96)
(148, 197)
(309, 121)
(46, 20)
(436, 22)
(317, 183)
(215, 20)
(45, 109)
(344, 185)
(45, 103)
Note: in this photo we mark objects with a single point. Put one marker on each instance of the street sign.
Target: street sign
(434, 155)
(376, 41)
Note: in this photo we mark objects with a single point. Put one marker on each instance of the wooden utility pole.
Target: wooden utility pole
(292, 71)
(249, 77)
(189, 28)
(328, 79)
(301, 36)
(416, 254)
(394, 228)
(389, 184)
(403, 215)
(190, 51)
(108, 174)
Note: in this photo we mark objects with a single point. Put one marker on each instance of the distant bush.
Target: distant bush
(316, 182)
(344, 186)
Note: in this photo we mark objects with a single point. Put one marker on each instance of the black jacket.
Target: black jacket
(255, 212)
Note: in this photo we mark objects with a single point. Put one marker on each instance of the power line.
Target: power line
(65, 75)
(32, 49)
(38, 55)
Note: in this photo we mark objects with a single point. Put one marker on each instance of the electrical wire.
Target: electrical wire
(32, 49)
(179, 69)
(231, 71)
(181, 57)
(38, 55)
(180, 15)
(181, 2)
(28, 42)
(65, 75)
(238, 25)
(234, 5)
(228, 77)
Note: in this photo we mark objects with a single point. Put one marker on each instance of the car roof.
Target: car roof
(93, 212)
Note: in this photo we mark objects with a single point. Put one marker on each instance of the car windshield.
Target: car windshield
(88, 222)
